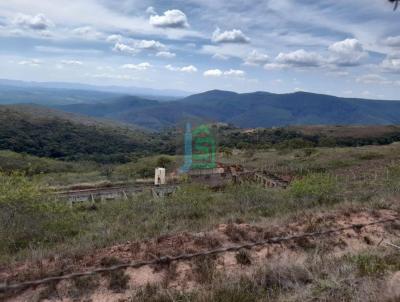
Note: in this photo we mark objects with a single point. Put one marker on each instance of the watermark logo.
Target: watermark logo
(199, 148)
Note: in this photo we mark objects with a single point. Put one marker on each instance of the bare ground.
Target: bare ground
(185, 275)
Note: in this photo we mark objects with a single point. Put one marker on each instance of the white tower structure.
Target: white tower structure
(159, 176)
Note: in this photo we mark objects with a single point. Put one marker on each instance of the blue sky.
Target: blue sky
(340, 47)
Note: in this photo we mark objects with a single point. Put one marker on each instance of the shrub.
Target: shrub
(309, 151)
(118, 281)
(205, 269)
(243, 257)
(190, 202)
(83, 287)
(144, 167)
(392, 181)
(163, 161)
(369, 156)
(28, 218)
(318, 187)
(373, 264)
(295, 143)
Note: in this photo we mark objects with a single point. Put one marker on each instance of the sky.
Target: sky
(339, 47)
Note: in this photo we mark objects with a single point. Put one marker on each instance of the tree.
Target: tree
(163, 161)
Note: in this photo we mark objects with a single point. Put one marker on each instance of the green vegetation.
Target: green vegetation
(48, 133)
(319, 183)
(28, 218)
(34, 225)
(318, 187)
(32, 165)
(66, 139)
(258, 109)
(373, 264)
(297, 138)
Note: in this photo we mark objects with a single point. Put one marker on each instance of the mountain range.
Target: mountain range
(58, 93)
(165, 108)
(246, 110)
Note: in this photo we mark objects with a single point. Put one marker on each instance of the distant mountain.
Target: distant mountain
(52, 96)
(248, 110)
(262, 109)
(106, 91)
(111, 110)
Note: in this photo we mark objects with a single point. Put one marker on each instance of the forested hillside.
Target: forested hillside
(246, 110)
(46, 133)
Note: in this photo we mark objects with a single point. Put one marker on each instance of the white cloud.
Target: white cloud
(136, 46)
(218, 73)
(339, 73)
(348, 52)
(373, 79)
(32, 62)
(226, 51)
(109, 76)
(234, 72)
(59, 50)
(393, 41)
(213, 73)
(149, 44)
(220, 56)
(141, 66)
(307, 25)
(229, 36)
(87, 32)
(151, 11)
(274, 66)
(114, 38)
(344, 53)
(104, 15)
(174, 18)
(166, 54)
(298, 58)
(171, 68)
(37, 22)
(391, 63)
(188, 69)
(71, 62)
(256, 58)
(126, 49)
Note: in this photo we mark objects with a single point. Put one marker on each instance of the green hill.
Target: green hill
(49, 133)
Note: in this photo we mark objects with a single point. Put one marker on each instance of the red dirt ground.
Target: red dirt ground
(181, 275)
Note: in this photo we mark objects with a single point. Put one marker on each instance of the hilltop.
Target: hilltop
(247, 110)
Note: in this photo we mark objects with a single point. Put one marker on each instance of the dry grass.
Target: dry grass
(327, 179)
(319, 279)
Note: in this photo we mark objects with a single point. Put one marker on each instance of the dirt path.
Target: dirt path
(186, 275)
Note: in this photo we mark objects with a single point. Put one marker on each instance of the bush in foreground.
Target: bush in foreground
(28, 218)
(318, 188)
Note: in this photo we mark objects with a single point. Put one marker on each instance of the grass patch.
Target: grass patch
(315, 188)
(373, 264)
